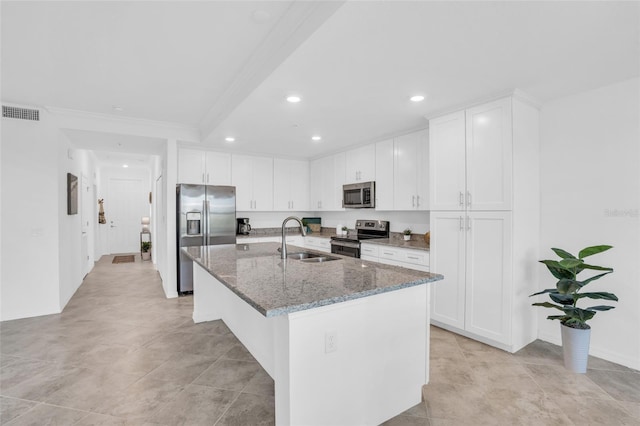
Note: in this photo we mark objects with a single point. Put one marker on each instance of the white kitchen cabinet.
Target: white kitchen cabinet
(410, 171)
(473, 252)
(326, 177)
(485, 235)
(396, 256)
(384, 175)
(204, 167)
(361, 164)
(471, 158)
(322, 244)
(290, 185)
(253, 178)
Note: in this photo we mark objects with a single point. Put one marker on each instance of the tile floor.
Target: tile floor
(123, 354)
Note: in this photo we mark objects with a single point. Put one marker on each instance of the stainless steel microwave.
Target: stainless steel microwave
(359, 195)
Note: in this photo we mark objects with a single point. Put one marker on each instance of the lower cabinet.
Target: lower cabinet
(473, 250)
(318, 243)
(407, 258)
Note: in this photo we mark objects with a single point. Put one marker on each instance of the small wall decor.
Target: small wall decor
(72, 194)
(101, 218)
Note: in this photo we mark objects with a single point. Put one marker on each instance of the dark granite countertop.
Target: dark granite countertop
(257, 275)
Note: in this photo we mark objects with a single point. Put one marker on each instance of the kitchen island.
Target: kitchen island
(346, 341)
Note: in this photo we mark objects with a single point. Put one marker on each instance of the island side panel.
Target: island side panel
(213, 300)
(376, 371)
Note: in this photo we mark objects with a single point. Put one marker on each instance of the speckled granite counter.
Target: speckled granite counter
(416, 243)
(256, 274)
(277, 232)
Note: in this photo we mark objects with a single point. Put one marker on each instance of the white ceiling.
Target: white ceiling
(226, 67)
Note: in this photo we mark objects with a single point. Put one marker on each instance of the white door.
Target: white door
(127, 202)
(85, 217)
(448, 231)
(447, 162)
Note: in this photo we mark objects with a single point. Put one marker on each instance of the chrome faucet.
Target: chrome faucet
(283, 251)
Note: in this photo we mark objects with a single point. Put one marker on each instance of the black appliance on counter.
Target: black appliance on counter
(365, 230)
(243, 227)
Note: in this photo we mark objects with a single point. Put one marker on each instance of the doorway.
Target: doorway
(128, 203)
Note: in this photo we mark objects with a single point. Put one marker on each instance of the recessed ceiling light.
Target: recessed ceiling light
(230, 139)
(417, 98)
(125, 165)
(316, 138)
(294, 99)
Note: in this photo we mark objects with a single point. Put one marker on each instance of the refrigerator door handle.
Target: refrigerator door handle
(205, 222)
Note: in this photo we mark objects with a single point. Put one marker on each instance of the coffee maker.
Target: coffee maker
(243, 226)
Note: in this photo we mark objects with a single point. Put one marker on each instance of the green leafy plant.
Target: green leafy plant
(407, 231)
(567, 291)
(344, 228)
(145, 246)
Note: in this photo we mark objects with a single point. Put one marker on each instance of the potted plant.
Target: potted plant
(575, 331)
(345, 230)
(407, 234)
(145, 247)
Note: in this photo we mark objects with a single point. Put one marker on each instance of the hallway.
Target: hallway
(123, 354)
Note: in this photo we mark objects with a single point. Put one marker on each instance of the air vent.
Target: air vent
(21, 113)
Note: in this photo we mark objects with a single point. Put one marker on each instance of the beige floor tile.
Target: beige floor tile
(402, 420)
(540, 352)
(623, 386)
(454, 371)
(260, 384)
(255, 410)
(557, 380)
(10, 408)
(94, 419)
(43, 414)
(589, 411)
(229, 374)
(195, 405)
(182, 368)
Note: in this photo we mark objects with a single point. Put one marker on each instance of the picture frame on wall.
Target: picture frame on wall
(72, 194)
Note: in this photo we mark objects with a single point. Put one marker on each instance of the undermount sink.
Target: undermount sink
(305, 256)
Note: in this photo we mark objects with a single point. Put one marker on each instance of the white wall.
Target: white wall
(72, 261)
(170, 178)
(590, 194)
(29, 283)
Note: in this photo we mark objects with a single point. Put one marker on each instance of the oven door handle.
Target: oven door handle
(345, 244)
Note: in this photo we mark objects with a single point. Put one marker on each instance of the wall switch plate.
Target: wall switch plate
(330, 341)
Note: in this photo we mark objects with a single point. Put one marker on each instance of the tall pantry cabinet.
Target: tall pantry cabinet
(484, 221)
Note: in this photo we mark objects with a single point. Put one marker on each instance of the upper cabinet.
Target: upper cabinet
(361, 164)
(402, 166)
(325, 182)
(204, 167)
(471, 158)
(253, 178)
(290, 185)
(410, 171)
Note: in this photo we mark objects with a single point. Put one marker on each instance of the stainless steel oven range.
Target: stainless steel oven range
(365, 229)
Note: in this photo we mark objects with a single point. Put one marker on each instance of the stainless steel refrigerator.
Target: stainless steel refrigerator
(206, 215)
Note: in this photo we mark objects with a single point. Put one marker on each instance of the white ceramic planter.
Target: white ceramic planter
(575, 348)
(407, 237)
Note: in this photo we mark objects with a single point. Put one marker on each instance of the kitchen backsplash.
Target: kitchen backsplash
(417, 221)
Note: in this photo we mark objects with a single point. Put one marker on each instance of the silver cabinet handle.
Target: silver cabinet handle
(468, 199)
(203, 178)
(413, 200)
(207, 177)
(413, 257)
(461, 224)
(417, 201)
(461, 198)
(468, 223)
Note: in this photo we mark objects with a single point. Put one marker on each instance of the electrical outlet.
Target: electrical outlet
(330, 341)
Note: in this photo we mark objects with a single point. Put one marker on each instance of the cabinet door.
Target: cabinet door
(384, 175)
(191, 166)
(299, 183)
(339, 162)
(360, 165)
(262, 183)
(316, 184)
(281, 185)
(447, 162)
(489, 156)
(488, 290)
(242, 179)
(422, 202)
(326, 187)
(448, 258)
(406, 171)
(218, 168)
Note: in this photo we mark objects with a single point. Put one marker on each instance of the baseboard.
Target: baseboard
(204, 317)
(598, 352)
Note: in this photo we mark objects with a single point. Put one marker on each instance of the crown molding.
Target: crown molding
(510, 93)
